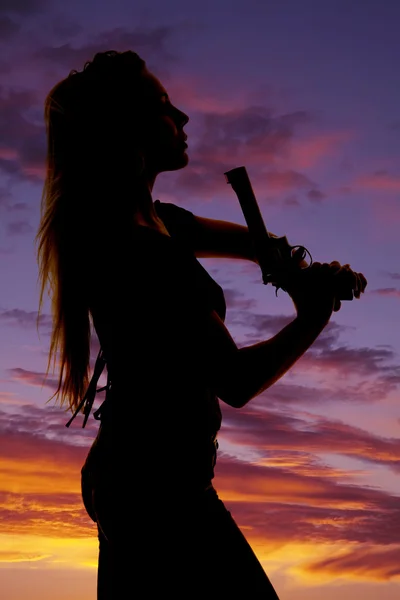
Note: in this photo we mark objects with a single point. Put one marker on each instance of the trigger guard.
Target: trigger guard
(305, 254)
(311, 260)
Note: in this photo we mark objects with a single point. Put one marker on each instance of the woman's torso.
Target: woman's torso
(164, 416)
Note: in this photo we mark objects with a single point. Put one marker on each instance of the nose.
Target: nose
(181, 118)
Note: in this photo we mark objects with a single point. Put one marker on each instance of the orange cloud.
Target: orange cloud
(284, 497)
(15, 556)
(361, 562)
(10, 398)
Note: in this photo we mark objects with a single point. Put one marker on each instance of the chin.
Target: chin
(185, 159)
(172, 161)
(179, 163)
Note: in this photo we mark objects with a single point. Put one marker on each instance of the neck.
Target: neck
(145, 213)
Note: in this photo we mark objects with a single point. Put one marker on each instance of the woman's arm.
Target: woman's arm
(239, 375)
(222, 239)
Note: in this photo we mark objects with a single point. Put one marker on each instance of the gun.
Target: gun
(278, 260)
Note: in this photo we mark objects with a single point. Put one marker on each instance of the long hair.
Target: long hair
(90, 123)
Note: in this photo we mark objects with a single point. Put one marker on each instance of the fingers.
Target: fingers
(337, 305)
(340, 280)
(361, 284)
(349, 279)
(358, 291)
(364, 282)
(335, 265)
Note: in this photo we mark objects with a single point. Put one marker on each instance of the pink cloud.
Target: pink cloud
(8, 153)
(306, 153)
(392, 292)
(264, 431)
(286, 180)
(190, 92)
(33, 378)
(380, 181)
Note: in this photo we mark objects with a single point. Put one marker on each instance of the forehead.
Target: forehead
(151, 86)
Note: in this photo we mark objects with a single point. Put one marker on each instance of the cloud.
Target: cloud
(288, 496)
(19, 227)
(38, 379)
(389, 292)
(28, 319)
(33, 378)
(22, 147)
(235, 136)
(392, 275)
(352, 361)
(252, 134)
(263, 430)
(150, 43)
(40, 482)
(22, 7)
(64, 26)
(323, 351)
(254, 129)
(5, 197)
(283, 395)
(380, 181)
(17, 557)
(361, 562)
(281, 505)
(316, 195)
(326, 353)
(351, 374)
(286, 180)
(307, 152)
(46, 422)
(25, 318)
(8, 27)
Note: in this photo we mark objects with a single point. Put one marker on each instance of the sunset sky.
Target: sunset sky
(306, 95)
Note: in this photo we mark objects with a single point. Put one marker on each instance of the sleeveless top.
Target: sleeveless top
(157, 387)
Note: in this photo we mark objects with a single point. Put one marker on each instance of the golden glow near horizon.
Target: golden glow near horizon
(49, 528)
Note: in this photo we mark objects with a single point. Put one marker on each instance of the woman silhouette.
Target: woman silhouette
(115, 259)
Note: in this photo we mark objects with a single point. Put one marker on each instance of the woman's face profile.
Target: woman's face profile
(163, 140)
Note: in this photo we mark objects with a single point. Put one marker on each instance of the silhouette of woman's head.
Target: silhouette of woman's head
(114, 117)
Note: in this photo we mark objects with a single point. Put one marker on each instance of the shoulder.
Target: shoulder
(170, 210)
(181, 223)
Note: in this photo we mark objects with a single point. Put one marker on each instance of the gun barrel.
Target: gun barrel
(264, 247)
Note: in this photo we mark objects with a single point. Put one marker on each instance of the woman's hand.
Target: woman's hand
(318, 290)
